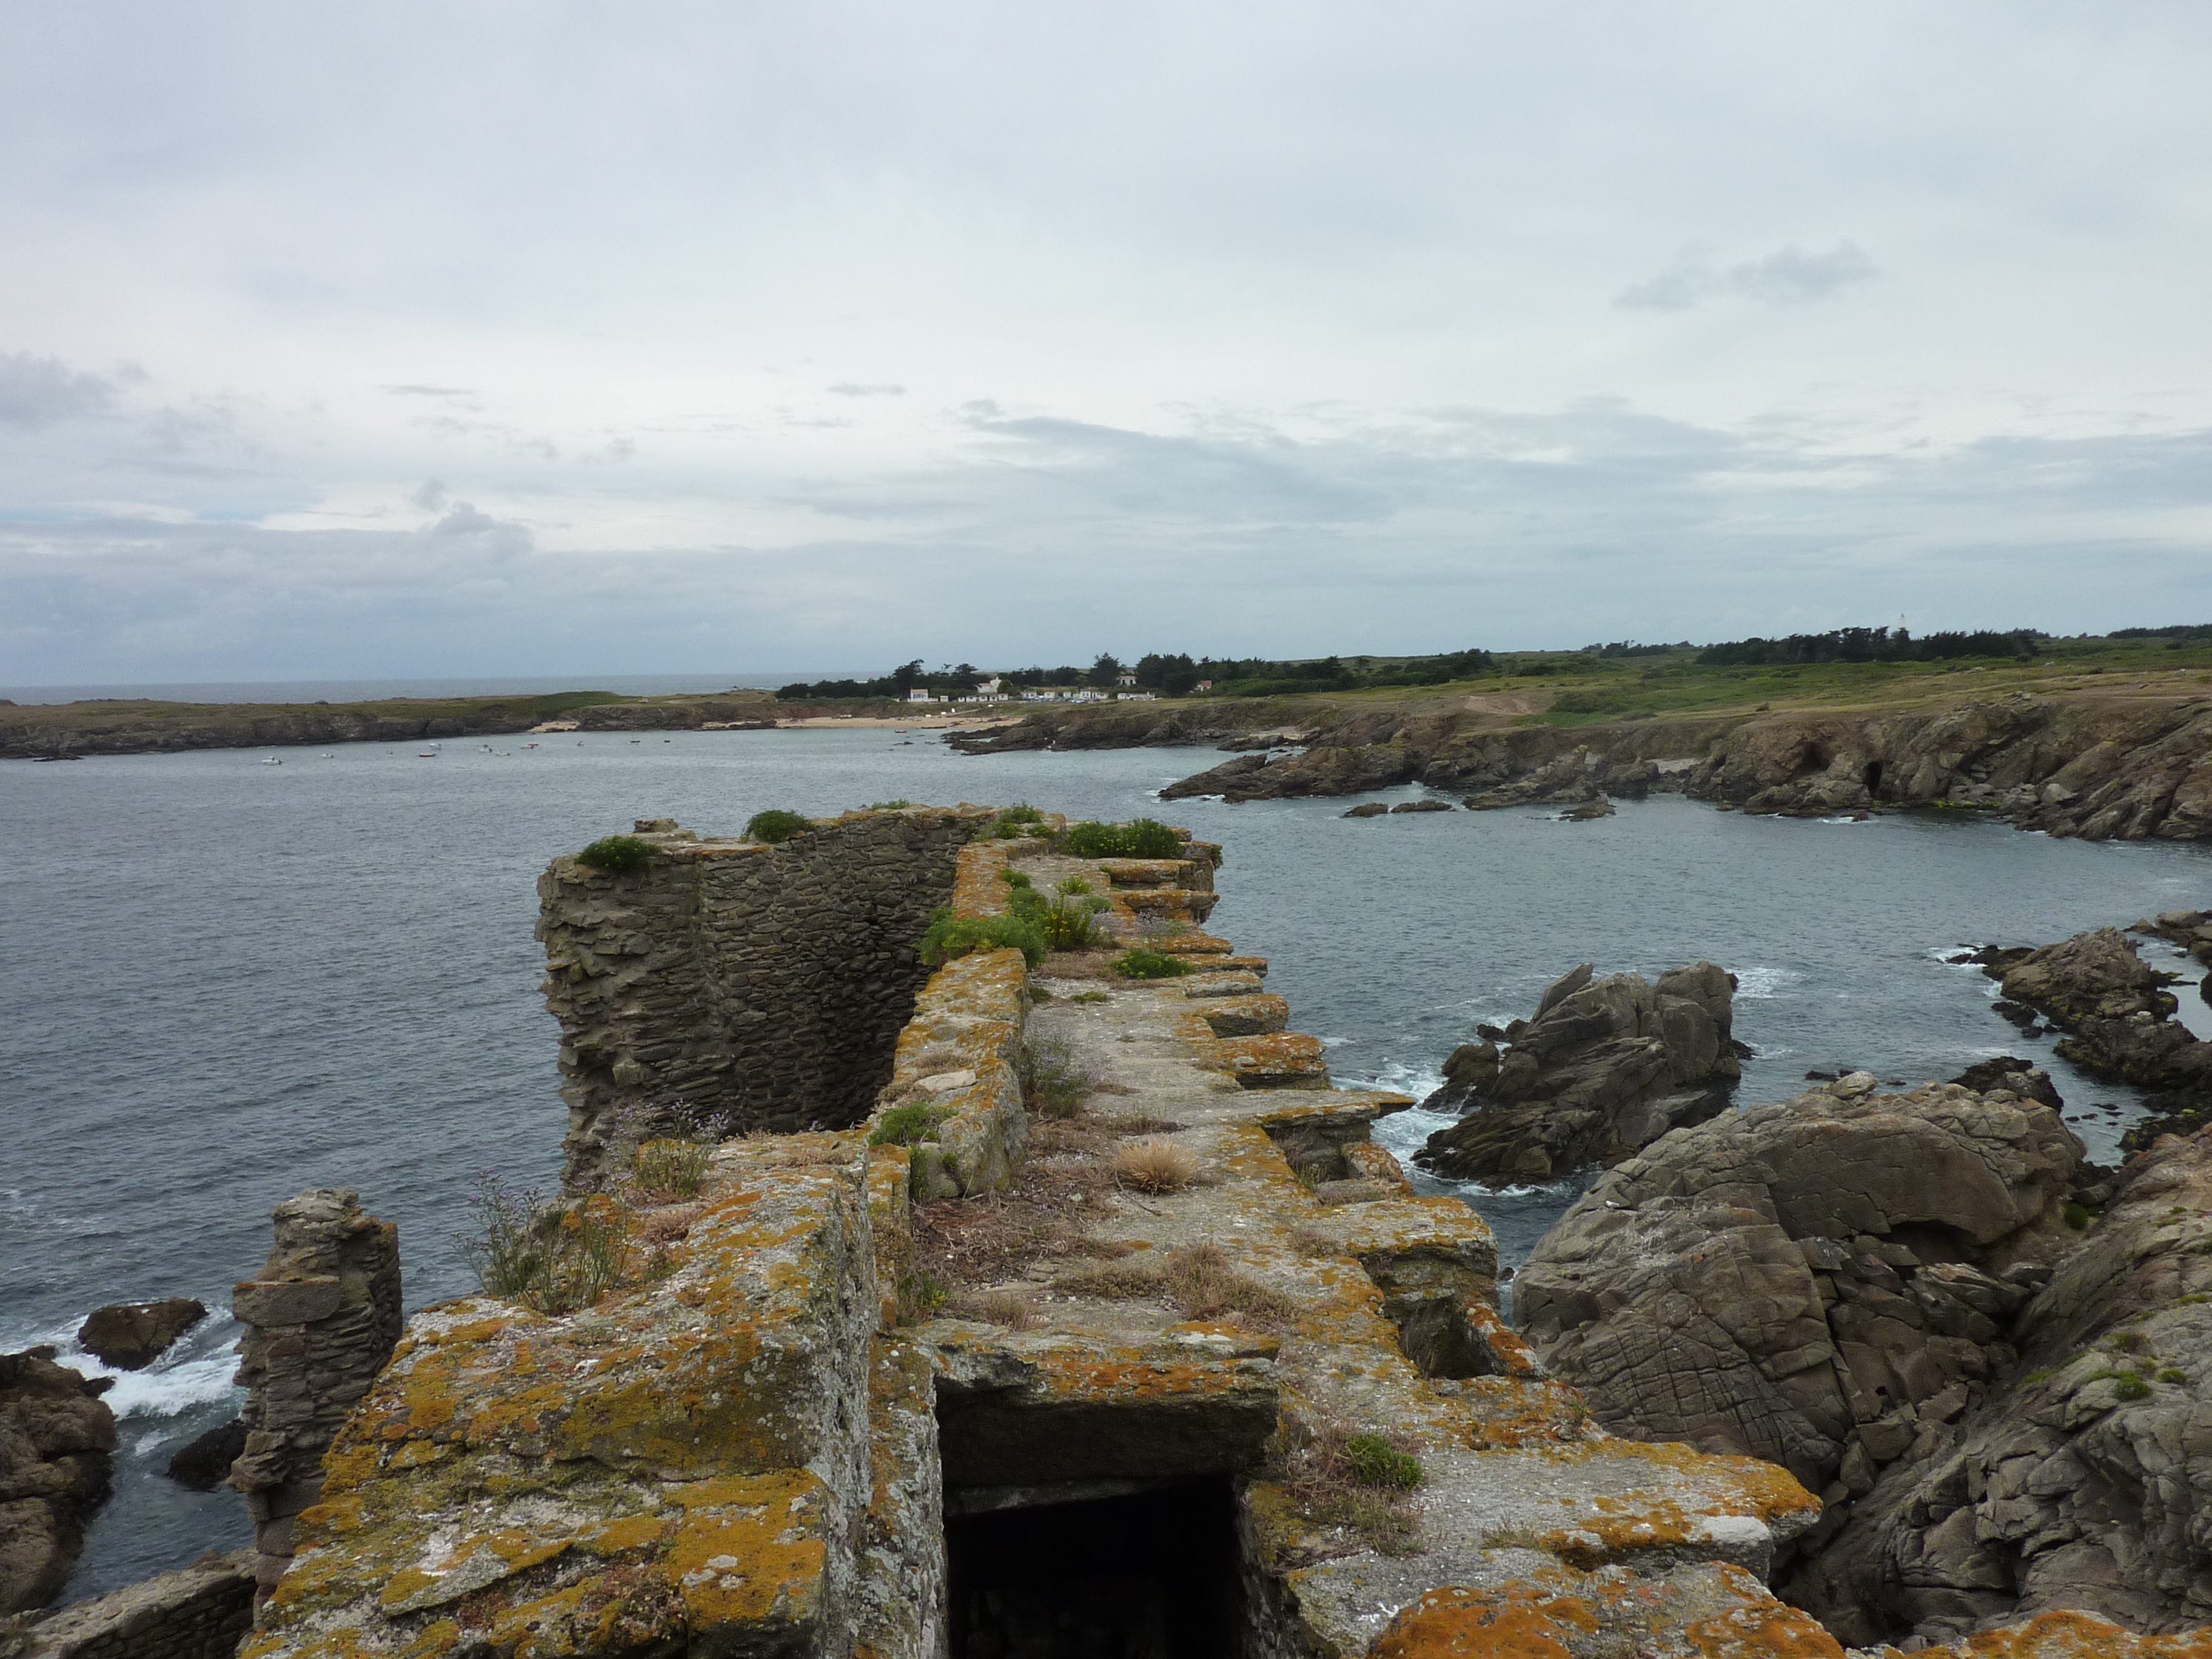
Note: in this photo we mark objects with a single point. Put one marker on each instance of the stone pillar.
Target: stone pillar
(322, 1319)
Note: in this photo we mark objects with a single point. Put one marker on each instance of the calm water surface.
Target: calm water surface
(226, 980)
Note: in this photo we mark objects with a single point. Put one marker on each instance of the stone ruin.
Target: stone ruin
(1192, 1370)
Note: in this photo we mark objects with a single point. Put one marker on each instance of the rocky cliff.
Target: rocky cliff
(2112, 767)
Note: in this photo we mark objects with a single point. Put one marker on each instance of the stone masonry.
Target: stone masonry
(766, 984)
(322, 1318)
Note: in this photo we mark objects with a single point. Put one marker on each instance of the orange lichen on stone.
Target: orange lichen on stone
(2064, 1634)
(978, 887)
(1705, 1612)
(958, 1056)
(1286, 1060)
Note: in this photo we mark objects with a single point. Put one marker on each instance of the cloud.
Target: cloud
(431, 495)
(430, 391)
(38, 391)
(862, 389)
(1789, 276)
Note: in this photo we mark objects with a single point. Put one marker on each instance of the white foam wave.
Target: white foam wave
(1769, 1050)
(197, 1371)
(1758, 984)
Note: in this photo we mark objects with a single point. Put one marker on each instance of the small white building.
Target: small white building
(919, 694)
(1203, 686)
(1133, 696)
(1125, 678)
(987, 688)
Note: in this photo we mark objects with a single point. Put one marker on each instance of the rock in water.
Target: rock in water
(130, 1335)
(56, 1436)
(1606, 1066)
(2022, 1077)
(203, 1462)
(2115, 1009)
(1583, 812)
(2081, 1485)
(1370, 809)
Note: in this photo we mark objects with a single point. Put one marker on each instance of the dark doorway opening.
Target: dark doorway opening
(1151, 1575)
(1873, 777)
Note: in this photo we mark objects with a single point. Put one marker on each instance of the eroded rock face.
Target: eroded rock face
(1822, 1283)
(2085, 1483)
(2114, 1008)
(1605, 1066)
(130, 1335)
(56, 1438)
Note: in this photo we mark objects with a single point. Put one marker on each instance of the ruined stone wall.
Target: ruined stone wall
(767, 984)
(321, 1320)
(199, 1612)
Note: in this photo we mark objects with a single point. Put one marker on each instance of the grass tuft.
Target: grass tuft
(617, 855)
(777, 825)
(1055, 1083)
(1143, 963)
(1154, 1165)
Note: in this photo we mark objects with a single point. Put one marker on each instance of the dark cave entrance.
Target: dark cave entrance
(1143, 1575)
(1872, 777)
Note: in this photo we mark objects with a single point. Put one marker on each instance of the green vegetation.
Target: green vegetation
(552, 1255)
(2126, 1385)
(1139, 838)
(1015, 879)
(1015, 821)
(950, 936)
(889, 805)
(670, 1168)
(777, 825)
(617, 855)
(1377, 1461)
(1055, 1083)
(2172, 1373)
(2077, 1215)
(903, 1126)
(1092, 996)
(1141, 963)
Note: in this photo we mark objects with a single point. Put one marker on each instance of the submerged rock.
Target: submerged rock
(2022, 1077)
(1604, 1067)
(202, 1462)
(131, 1335)
(56, 1438)
(1370, 809)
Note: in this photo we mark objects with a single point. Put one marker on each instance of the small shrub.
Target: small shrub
(1072, 885)
(903, 1126)
(670, 1168)
(2196, 1298)
(1092, 996)
(1066, 921)
(2172, 1373)
(1053, 1081)
(1202, 1283)
(1377, 1462)
(1012, 821)
(1041, 994)
(2126, 1385)
(950, 936)
(2125, 1341)
(777, 825)
(920, 1294)
(889, 805)
(1152, 1165)
(618, 855)
(1016, 877)
(2075, 1216)
(553, 1256)
(1143, 963)
(1323, 1483)
(1140, 838)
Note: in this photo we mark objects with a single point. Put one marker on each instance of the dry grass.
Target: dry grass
(668, 1224)
(1354, 1483)
(985, 1240)
(1079, 964)
(1311, 1241)
(1154, 1165)
(1015, 1309)
(1137, 1123)
(1197, 1281)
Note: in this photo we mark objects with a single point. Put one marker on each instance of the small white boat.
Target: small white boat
(428, 754)
(270, 760)
(327, 757)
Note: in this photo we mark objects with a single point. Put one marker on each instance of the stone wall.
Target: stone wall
(321, 1320)
(765, 984)
(199, 1612)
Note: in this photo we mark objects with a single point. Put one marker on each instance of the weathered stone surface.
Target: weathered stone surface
(1604, 1067)
(322, 1319)
(130, 1335)
(1808, 1282)
(763, 985)
(56, 1436)
(2082, 1485)
(198, 1611)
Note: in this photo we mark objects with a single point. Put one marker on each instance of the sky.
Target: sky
(506, 338)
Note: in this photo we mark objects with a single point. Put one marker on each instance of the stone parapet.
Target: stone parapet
(199, 1612)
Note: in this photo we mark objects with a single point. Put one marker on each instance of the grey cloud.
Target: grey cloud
(430, 391)
(1789, 276)
(431, 495)
(861, 389)
(40, 390)
(464, 518)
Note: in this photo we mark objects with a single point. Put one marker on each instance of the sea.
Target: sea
(227, 979)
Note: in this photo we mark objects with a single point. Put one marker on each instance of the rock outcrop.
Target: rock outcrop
(131, 1335)
(56, 1438)
(1580, 778)
(1605, 1066)
(2086, 1483)
(2114, 1007)
(2190, 929)
(322, 1319)
(1815, 1283)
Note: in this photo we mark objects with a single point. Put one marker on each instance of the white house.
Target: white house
(919, 694)
(1125, 678)
(1203, 686)
(1133, 697)
(987, 688)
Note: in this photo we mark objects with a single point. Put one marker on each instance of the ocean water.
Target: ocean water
(227, 980)
(628, 685)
